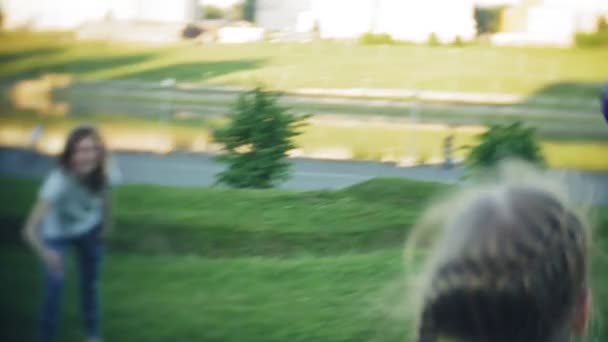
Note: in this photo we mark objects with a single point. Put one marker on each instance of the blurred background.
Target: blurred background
(403, 89)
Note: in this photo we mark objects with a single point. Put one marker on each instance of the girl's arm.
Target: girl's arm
(31, 231)
(31, 234)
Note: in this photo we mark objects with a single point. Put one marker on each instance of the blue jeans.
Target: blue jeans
(90, 254)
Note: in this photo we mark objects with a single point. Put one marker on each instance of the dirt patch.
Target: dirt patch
(36, 95)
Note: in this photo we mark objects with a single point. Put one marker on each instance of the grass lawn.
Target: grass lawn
(145, 100)
(567, 73)
(225, 265)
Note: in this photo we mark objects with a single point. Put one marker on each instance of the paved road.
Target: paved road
(199, 170)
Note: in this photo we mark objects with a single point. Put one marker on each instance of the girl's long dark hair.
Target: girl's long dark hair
(97, 180)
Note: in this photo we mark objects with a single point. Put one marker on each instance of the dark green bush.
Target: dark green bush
(504, 141)
(256, 141)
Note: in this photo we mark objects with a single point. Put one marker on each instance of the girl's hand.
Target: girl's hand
(52, 260)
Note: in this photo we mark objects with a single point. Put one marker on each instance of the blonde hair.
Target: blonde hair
(510, 264)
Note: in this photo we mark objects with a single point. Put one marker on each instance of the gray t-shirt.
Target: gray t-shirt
(74, 209)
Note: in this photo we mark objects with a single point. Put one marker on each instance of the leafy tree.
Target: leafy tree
(213, 12)
(256, 141)
(504, 141)
(249, 10)
(488, 19)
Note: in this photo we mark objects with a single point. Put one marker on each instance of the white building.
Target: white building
(281, 15)
(407, 20)
(70, 14)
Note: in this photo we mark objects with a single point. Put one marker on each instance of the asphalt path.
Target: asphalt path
(187, 169)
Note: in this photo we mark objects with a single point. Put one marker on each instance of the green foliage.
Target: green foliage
(504, 141)
(256, 141)
(488, 19)
(249, 10)
(591, 40)
(602, 24)
(458, 42)
(213, 12)
(237, 11)
(376, 39)
(433, 40)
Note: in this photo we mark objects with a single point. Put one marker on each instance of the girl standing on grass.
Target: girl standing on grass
(72, 210)
(511, 266)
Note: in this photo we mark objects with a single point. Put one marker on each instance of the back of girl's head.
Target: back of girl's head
(511, 265)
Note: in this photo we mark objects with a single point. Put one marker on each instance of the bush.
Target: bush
(504, 141)
(602, 24)
(458, 42)
(376, 39)
(191, 31)
(236, 12)
(256, 141)
(213, 12)
(591, 40)
(433, 40)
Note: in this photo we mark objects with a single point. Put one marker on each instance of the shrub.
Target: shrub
(602, 24)
(191, 31)
(504, 141)
(236, 11)
(376, 39)
(458, 42)
(591, 40)
(213, 12)
(256, 141)
(433, 40)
